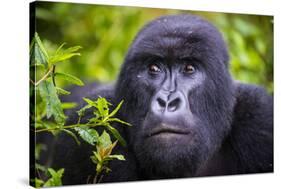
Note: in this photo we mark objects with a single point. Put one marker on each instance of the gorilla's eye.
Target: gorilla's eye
(189, 69)
(153, 68)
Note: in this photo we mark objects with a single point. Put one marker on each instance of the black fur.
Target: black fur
(229, 124)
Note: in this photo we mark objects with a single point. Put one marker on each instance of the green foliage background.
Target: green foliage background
(105, 33)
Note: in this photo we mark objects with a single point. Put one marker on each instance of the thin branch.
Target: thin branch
(45, 76)
(32, 81)
(53, 75)
(100, 178)
(69, 127)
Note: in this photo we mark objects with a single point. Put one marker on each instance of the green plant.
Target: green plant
(53, 180)
(49, 115)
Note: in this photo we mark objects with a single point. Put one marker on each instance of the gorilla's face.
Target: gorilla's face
(178, 95)
(171, 130)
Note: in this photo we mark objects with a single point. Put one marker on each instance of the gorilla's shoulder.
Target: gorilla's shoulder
(252, 128)
(253, 103)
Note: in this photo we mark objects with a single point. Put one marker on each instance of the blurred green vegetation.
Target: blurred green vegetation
(105, 33)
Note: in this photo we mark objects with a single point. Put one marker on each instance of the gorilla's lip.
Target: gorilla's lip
(167, 129)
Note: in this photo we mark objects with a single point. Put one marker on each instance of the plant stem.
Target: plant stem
(32, 81)
(100, 178)
(45, 76)
(53, 75)
(96, 180)
(69, 127)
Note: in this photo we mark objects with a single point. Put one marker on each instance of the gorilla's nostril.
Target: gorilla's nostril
(161, 102)
(173, 105)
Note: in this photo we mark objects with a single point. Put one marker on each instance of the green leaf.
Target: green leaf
(99, 167)
(94, 119)
(50, 125)
(94, 159)
(89, 105)
(89, 101)
(70, 78)
(118, 120)
(38, 54)
(72, 135)
(82, 110)
(116, 109)
(49, 95)
(68, 105)
(89, 135)
(55, 179)
(38, 65)
(62, 91)
(60, 47)
(102, 106)
(111, 157)
(40, 44)
(64, 54)
(117, 135)
(38, 182)
(104, 140)
(97, 156)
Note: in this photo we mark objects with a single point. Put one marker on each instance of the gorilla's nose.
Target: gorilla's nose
(167, 102)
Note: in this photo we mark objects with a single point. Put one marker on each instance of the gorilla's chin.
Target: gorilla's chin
(168, 156)
(169, 151)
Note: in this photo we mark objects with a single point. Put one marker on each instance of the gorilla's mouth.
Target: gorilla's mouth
(164, 129)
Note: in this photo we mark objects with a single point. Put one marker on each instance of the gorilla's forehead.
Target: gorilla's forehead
(178, 36)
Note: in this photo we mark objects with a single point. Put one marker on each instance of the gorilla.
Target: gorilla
(190, 117)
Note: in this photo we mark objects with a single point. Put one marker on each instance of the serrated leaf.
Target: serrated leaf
(117, 135)
(102, 106)
(62, 91)
(49, 95)
(38, 54)
(70, 78)
(40, 44)
(88, 135)
(104, 140)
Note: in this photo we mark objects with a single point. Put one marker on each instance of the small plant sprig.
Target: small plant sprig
(54, 179)
(46, 85)
(48, 106)
(102, 155)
